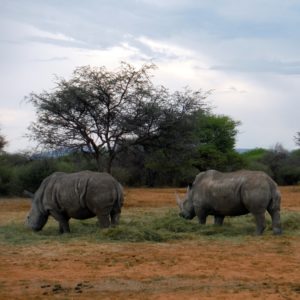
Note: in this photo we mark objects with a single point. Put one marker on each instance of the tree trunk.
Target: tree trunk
(98, 162)
(109, 164)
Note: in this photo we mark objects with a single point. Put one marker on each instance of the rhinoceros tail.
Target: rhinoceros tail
(120, 197)
(276, 198)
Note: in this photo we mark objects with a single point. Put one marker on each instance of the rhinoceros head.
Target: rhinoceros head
(36, 218)
(186, 206)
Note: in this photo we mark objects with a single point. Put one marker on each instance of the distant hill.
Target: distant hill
(52, 153)
(243, 150)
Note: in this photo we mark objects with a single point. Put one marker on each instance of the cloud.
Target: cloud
(164, 49)
(51, 59)
(233, 89)
(23, 33)
(279, 67)
(48, 35)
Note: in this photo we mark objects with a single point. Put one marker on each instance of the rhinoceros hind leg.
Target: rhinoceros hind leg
(276, 224)
(219, 220)
(202, 218)
(104, 221)
(64, 227)
(115, 217)
(260, 223)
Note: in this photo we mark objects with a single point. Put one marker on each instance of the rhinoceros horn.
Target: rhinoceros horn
(178, 200)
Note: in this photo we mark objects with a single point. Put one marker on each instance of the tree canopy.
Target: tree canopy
(3, 142)
(214, 136)
(102, 113)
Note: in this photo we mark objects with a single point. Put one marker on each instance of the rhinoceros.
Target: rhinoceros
(79, 195)
(232, 194)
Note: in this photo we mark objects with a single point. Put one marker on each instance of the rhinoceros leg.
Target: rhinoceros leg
(63, 221)
(219, 220)
(201, 214)
(260, 223)
(64, 227)
(104, 221)
(276, 224)
(115, 217)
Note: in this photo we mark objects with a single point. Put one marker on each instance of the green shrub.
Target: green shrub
(289, 175)
(6, 174)
(254, 154)
(32, 174)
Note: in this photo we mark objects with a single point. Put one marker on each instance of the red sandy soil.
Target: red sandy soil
(264, 267)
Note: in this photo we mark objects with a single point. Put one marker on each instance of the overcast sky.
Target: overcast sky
(247, 51)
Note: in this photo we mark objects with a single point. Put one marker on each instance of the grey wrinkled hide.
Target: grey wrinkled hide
(233, 194)
(79, 195)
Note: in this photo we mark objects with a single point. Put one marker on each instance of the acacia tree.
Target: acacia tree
(102, 112)
(3, 142)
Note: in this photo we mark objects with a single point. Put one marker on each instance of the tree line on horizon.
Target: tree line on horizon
(121, 123)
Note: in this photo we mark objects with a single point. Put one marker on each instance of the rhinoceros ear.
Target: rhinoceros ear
(179, 201)
(28, 194)
(189, 187)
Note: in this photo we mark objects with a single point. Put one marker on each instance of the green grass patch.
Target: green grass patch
(147, 226)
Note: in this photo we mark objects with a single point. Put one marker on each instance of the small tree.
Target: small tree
(297, 138)
(275, 159)
(215, 137)
(3, 142)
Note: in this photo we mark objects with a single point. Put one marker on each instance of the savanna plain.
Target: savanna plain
(152, 254)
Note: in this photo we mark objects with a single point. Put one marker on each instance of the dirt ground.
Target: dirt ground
(262, 267)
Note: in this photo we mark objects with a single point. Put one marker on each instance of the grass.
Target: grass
(142, 226)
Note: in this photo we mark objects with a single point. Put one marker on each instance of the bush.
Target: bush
(289, 175)
(8, 180)
(32, 174)
(254, 155)
(5, 180)
(281, 165)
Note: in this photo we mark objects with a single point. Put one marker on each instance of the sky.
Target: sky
(246, 51)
